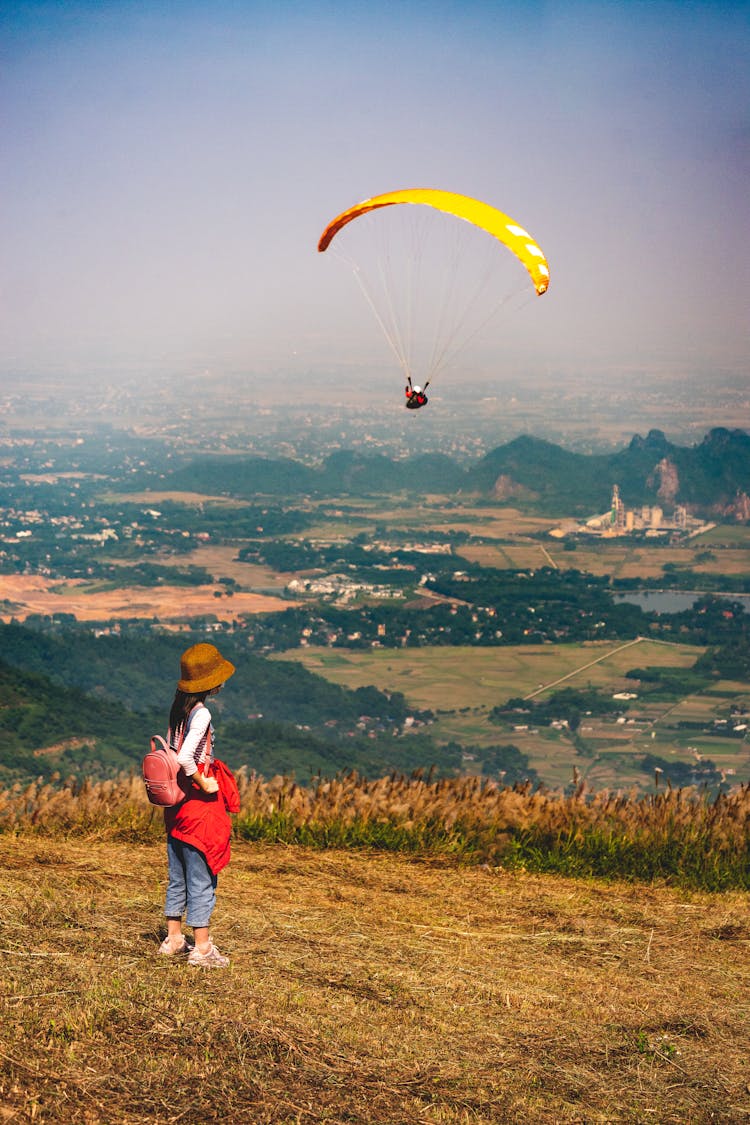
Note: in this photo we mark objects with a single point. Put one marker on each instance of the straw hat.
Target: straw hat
(203, 667)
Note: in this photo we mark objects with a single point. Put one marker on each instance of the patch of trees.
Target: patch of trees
(150, 574)
(95, 737)
(386, 624)
(682, 774)
(675, 577)
(555, 604)
(667, 684)
(369, 564)
(568, 705)
(507, 763)
(728, 662)
(495, 608)
(141, 672)
(246, 521)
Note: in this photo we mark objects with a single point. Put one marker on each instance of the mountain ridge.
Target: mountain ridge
(711, 478)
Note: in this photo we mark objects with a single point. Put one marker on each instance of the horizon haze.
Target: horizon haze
(167, 177)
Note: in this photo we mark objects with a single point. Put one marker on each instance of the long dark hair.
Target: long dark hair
(182, 704)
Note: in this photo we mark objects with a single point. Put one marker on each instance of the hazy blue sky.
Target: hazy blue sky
(167, 169)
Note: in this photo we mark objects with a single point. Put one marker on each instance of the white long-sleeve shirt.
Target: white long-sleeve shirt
(195, 743)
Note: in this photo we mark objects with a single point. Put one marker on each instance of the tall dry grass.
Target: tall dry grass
(683, 836)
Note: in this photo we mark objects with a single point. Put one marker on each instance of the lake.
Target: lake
(673, 601)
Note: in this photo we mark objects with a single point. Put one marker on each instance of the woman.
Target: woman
(199, 828)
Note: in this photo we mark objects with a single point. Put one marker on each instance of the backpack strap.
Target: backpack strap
(209, 751)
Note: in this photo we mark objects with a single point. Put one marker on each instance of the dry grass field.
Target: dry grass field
(222, 562)
(27, 594)
(366, 988)
(495, 523)
(617, 558)
(161, 497)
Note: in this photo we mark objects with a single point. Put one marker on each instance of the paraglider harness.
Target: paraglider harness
(415, 399)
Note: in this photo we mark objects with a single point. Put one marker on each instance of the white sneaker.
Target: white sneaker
(167, 949)
(211, 959)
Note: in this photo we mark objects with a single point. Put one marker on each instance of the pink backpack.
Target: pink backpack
(165, 781)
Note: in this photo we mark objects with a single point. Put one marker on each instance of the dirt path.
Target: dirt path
(590, 664)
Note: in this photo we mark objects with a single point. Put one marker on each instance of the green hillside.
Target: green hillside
(535, 472)
(47, 729)
(85, 705)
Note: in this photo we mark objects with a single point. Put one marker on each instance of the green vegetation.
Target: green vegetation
(684, 577)
(668, 684)
(416, 587)
(683, 774)
(545, 476)
(679, 836)
(45, 728)
(490, 607)
(567, 706)
(731, 661)
(85, 705)
(576, 853)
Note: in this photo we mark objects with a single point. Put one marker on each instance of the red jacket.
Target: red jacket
(202, 819)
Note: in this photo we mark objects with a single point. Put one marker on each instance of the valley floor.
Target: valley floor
(366, 988)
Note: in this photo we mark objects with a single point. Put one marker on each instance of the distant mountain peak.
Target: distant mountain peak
(720, 438)
(707, 477)
(655, 441)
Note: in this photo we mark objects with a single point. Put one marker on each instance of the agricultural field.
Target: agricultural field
(518, 555)
(608, 754)
(727, 535)
(507, 542)
(222, 562)
(435, 514)
(494, 523)
(450, 678)
(461, 685)
(615, 557)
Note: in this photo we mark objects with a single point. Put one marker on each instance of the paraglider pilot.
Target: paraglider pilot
(415, 396)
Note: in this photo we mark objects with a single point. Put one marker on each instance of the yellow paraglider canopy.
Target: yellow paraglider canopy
(500, 226)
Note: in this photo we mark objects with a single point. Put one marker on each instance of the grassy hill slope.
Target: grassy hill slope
(367, 988)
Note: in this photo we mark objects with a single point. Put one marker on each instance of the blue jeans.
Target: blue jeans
(191, 885)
